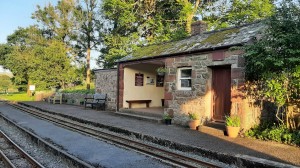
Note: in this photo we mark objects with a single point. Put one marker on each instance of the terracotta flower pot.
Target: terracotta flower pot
(232, 132)
(193, 124)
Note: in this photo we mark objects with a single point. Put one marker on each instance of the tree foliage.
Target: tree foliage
(77, 24)
(59, 21)
(137, 23)
(275, 58)
(89, 35)
(40, 61)
(5, 82)
(237, 12)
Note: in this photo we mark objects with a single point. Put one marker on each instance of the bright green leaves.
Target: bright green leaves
(138, 23)
(274, 60)
(236, 12)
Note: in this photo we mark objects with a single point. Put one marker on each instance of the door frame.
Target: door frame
(213, 92)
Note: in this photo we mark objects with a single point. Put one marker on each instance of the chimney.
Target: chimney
(198, 27)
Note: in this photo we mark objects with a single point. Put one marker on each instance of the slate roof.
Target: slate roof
(207, 40)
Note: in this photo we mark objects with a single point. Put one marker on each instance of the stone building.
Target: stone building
(204, 74)
(106, 82)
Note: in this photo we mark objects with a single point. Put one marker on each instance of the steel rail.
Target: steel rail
(5, 160)
(165, 155)
(23, 154)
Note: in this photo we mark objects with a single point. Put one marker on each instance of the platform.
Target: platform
(213, 143)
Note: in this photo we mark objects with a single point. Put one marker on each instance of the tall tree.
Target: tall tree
(5, 49)
(274, 60)
(73, 22)
(236, 12)
(5, 83)
(89, 32)
(136, 23)
(36, 59)
(188, 12)
(59, 20)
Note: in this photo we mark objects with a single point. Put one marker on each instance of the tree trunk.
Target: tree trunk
(188, 25)
(190, 16)
(88, 69)
(28, 91)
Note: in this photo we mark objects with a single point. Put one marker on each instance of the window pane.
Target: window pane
(186, 83)
(186, 73)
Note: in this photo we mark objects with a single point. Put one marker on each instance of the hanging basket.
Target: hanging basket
(160, 73)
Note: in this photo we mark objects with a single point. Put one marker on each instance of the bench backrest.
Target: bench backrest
(57, 94)
(98, 97)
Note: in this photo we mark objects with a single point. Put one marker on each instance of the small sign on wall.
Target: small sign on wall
(150, 80)
(139, 79)
(32, 87)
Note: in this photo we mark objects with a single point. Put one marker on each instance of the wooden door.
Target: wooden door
(221, 85)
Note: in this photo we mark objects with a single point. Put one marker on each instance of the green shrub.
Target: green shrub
(275, 132)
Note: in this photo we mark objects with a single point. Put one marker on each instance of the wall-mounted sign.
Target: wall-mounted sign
(32, 87)
(139, 79)
(150, 80)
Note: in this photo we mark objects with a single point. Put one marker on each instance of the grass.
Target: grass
(16, 97)
(22, 96)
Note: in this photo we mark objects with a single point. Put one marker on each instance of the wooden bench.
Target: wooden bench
(139, 101)
(98, 100)
(57, 97)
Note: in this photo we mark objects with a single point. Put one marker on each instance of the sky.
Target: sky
(17, 13)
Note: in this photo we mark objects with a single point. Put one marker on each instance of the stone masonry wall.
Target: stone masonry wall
(180, 102)
(106, 82)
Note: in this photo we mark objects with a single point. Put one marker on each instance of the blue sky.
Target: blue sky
(17, 13)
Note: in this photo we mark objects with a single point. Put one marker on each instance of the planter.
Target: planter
(193, 124)
(168, 121)
(232, 132)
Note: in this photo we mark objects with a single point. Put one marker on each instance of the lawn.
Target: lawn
(16, 97)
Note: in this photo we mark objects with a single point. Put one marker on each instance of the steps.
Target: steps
(213, 128)
(147, 114)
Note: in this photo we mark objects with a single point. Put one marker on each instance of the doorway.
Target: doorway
(221, 86)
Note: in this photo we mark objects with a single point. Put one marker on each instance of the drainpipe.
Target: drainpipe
(118, 85)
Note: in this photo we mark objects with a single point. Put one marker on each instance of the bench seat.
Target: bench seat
(139, 101)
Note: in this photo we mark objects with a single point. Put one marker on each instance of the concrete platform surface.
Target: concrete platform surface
(95, 152)
(215, 143)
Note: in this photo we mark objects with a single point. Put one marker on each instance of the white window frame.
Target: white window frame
(179, 78)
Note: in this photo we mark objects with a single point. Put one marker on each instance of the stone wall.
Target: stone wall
(178, 103)
(75, 98)
(199, 99)
(106, 82)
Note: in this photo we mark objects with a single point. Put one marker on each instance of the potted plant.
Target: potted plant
(161, 71)
(232, 125)
(168, 119)
(194, 120)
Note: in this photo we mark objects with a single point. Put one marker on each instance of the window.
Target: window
(184, 79)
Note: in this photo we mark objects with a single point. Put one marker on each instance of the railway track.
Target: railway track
(13, 156)
(162, 154)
